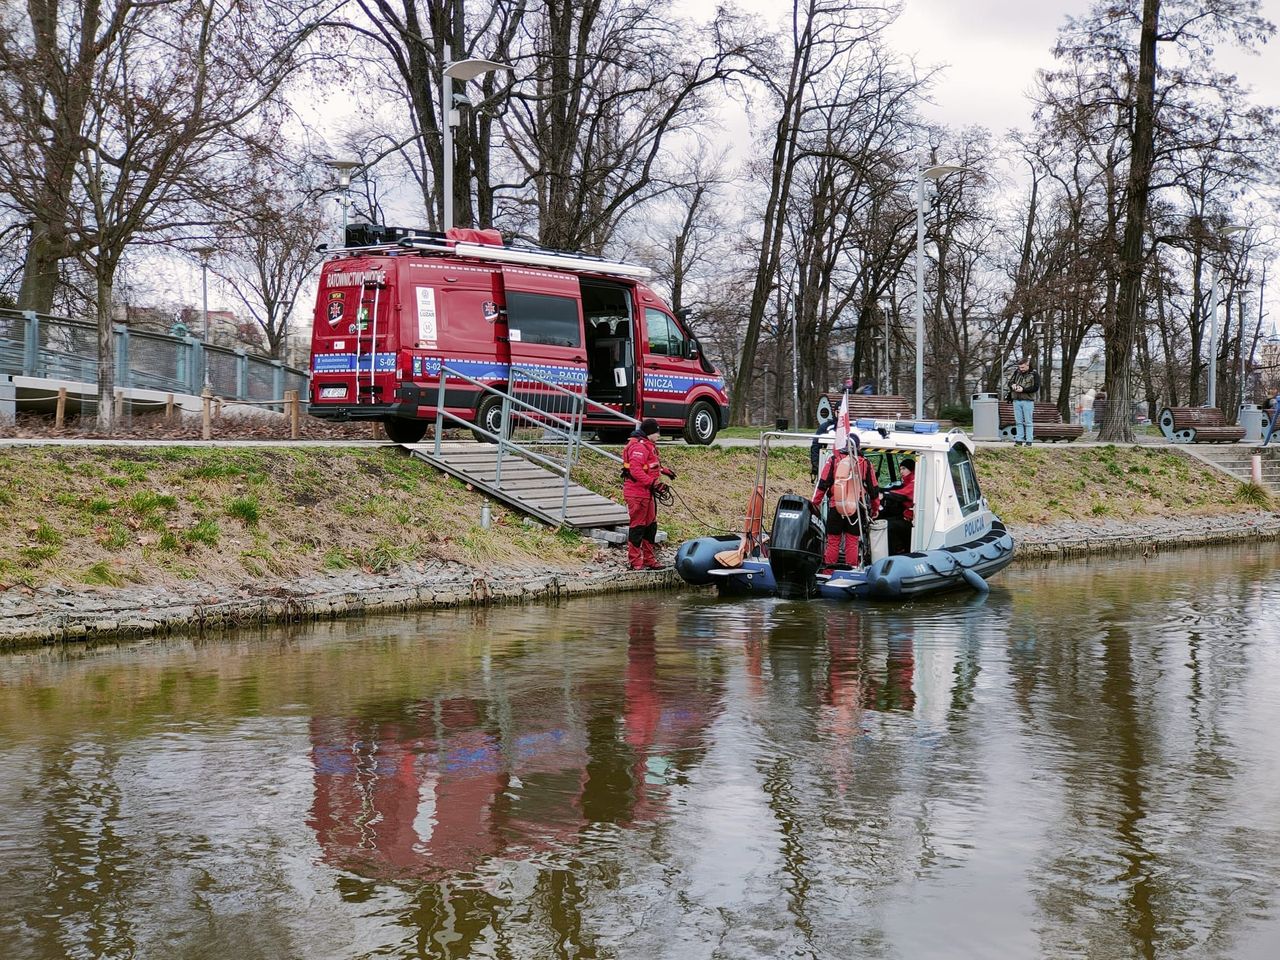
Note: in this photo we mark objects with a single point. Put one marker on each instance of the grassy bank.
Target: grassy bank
(113, 516)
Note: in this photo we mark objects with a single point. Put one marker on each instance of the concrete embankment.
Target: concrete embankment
(111, 542)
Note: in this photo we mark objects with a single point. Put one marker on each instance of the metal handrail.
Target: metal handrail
(513, 407)
(585, 401)
(181, 360)
(500, 438)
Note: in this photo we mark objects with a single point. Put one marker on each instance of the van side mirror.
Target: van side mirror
(691, 349)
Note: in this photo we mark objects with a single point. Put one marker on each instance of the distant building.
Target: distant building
(1268, 365)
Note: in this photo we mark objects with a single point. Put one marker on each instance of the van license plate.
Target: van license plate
(332, 393)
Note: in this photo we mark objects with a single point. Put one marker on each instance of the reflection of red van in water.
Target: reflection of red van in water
(387, 316)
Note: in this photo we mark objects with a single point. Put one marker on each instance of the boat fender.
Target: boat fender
(974, 579)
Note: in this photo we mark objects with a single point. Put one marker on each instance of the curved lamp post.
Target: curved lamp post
(929, 173)
(1213, 318)
(463, 70)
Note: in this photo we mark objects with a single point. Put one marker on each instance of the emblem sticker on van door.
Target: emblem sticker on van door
(427, 315)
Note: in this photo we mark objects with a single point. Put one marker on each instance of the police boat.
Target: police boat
(955, 540)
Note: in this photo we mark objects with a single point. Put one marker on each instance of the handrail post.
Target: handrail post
(206, 425)
(30, 343)
(60, 414)
(122, 354)
(440, 407)
(503, 425)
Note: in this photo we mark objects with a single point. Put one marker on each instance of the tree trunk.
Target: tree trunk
(40, 272)
(1119, 335)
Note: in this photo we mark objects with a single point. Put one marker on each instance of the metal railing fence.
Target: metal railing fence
(541, 421)
(55, 348)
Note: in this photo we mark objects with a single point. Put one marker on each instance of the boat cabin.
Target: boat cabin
(949, 506)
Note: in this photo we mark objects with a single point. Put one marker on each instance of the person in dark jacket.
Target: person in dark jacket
(642, 473)
(1023, 387)
(815, 448)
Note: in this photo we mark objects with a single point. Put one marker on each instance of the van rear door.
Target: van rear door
(544, 328)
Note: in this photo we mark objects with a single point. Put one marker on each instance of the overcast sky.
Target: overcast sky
(991, 50)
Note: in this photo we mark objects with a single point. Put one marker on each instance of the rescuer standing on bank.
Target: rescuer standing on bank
(642, 473)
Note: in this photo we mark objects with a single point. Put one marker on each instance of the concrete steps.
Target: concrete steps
(1237, 460)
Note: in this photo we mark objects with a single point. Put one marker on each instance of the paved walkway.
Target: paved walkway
(93, 442)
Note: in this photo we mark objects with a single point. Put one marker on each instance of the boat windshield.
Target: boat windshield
(965, 480)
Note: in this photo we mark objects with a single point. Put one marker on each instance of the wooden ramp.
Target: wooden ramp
(526, 486)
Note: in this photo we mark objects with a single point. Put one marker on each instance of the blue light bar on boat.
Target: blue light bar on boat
(907, 426)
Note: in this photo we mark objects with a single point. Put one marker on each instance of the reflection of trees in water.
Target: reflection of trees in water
(90, 892)
(1155, 853)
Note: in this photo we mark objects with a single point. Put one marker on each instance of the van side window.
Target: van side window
(665, 338)
(965, 480)
(543, 318)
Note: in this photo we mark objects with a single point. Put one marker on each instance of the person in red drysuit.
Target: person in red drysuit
(845, 526)
(899, 508)
(642, 473)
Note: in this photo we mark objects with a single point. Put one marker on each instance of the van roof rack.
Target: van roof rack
(365, 237)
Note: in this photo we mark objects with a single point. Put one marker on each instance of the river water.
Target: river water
(1084, 764)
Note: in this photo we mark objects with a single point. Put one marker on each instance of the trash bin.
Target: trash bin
(1254, 422)
(986, 416)
(781, 423)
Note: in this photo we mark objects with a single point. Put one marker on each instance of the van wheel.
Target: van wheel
(489, 417)
(404, 430)
(613, 435)
(702, 424)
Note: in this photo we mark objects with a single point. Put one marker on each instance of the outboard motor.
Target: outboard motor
(795, 546)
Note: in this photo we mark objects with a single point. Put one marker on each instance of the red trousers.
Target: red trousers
(642, 532)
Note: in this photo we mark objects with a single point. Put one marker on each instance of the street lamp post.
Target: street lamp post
(343, 169)
(935, 174)
(1213, 320)
(204, 253)
(463, 70)
(795, 369)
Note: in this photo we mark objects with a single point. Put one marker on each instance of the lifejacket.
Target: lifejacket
(846, 490)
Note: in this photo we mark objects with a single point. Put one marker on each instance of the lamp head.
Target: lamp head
(465, 70)
(343, 169)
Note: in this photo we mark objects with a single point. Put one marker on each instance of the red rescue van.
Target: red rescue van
(391, 312)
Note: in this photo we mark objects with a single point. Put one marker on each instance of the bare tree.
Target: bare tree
(822, 32)
(266, 254)
(1118, 46)
(158, 99)
(603, 87)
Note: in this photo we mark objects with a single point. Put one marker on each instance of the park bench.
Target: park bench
(1198, 425)
(874, 406)
(1046, 423)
